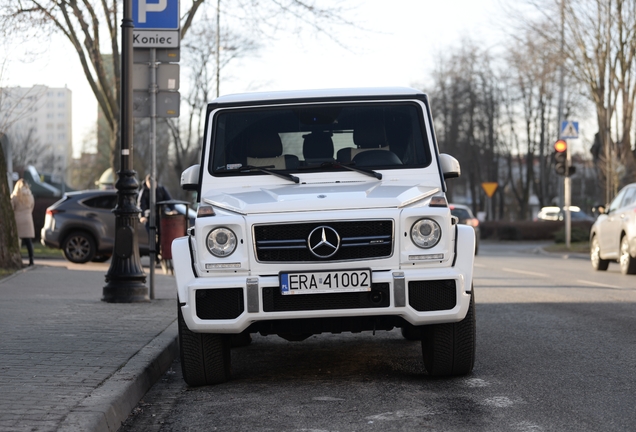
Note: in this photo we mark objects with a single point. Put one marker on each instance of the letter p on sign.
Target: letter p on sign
(144, 7)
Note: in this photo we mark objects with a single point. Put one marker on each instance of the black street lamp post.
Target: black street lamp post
(125, 280)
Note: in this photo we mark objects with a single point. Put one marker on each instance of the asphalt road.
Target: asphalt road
(556, 351)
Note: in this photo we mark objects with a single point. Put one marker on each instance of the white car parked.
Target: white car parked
(323, 211)
(613, 235)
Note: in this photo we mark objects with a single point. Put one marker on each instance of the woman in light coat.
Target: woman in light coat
(22, 202)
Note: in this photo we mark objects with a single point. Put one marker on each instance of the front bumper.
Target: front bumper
(402, 293)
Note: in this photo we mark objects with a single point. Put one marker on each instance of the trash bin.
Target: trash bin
(171, 226)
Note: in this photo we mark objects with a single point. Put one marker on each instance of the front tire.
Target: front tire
(598, 263)
(449, 349)
(79, 247)
(205, 357)
(626, 261)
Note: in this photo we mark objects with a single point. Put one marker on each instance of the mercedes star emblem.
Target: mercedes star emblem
(323, 242)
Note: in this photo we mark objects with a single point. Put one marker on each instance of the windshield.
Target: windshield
(304, 138)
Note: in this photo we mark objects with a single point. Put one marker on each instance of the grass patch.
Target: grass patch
(41, 251)
(578, 247)
(6, 272)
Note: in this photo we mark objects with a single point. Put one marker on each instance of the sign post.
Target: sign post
(490, 188)
(156, 29)
(569, 130)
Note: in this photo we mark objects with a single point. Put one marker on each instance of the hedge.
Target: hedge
(534, 230)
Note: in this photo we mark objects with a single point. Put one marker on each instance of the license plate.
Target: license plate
(325, 282)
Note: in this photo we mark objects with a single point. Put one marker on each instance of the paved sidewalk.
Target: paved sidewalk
(69, 361)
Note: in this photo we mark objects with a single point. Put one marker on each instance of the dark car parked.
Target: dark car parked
(465, 216)
(82, 224)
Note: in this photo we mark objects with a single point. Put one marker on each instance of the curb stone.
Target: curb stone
(564, 255)
(106, 408)
(17, 273)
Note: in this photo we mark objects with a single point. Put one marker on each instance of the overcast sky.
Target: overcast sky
(397, 48)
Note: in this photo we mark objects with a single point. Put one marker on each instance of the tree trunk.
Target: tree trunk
(10, 257)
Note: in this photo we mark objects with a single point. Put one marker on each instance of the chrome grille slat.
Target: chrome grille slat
(287, 242)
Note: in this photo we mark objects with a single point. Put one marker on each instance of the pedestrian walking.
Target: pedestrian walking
(23, 203)
(143, 200)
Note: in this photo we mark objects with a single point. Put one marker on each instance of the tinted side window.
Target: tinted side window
(106, 202)
(616, 203)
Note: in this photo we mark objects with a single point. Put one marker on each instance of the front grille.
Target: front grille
(425, 296)
(365, 239)
(223, 303)
(274, 301)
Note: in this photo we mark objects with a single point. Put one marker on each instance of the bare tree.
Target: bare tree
(497, 115)
(600, 51)
(531, 96)
(27, 149)
(200, 55)
(10, 257)
(466, 100)
(17, 104)
(91, 25)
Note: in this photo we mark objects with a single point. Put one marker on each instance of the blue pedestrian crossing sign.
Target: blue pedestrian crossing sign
(569, 129)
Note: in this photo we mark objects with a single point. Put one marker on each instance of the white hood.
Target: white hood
(317, 197)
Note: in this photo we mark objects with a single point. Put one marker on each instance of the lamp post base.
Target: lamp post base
(125, 292)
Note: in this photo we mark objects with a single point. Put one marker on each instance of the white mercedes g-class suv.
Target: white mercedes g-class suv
(323, 211)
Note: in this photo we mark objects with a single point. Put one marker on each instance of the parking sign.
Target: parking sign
(156, 14)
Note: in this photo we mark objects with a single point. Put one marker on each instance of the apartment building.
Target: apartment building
(38, 122)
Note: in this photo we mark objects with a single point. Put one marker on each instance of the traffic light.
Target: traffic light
(561, 157)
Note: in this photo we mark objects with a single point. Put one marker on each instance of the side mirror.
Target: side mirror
(190, 178)
(450, 166)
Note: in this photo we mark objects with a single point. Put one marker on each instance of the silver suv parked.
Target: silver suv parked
(613, 235)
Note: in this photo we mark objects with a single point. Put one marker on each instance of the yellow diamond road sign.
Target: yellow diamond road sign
(489, 188)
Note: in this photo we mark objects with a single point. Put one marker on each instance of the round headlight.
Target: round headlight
(221, 242)
(426, 233)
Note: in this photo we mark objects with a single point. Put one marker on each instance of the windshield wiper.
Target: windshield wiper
(263, 169)
(349, 167)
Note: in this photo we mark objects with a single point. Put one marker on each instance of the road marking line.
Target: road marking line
(499, 402)
(479, 265)
(524, 272)
(599, 284)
